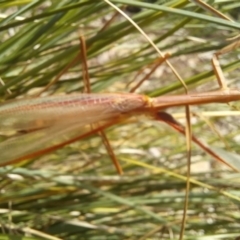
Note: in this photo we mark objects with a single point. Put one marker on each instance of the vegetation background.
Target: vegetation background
(75, 192)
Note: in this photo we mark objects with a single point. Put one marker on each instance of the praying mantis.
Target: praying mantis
(63, 118)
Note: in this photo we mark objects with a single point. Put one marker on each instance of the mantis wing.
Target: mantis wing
(42, 141)
(37, 113)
